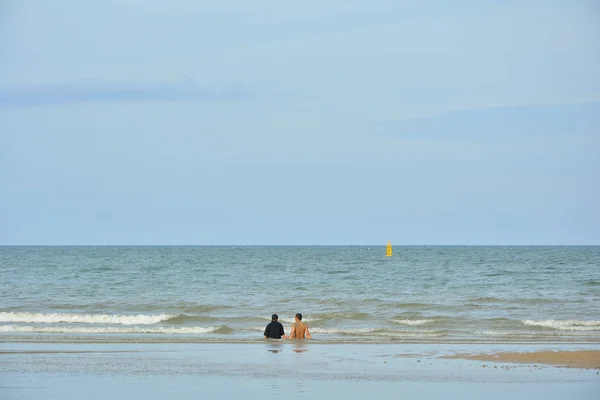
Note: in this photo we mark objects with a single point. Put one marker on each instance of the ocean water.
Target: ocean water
(347, 294)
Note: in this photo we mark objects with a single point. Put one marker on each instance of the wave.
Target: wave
(366, 332)
(115, 329)
(519, 334)
(52, 318)
(538, 334)
(485, 299)
(167, 306)
(376, 332)
(355, 331)
(291, 320)
(414, 305)
(356, 316)
(565, 325)
(413, 322)
(184, 319)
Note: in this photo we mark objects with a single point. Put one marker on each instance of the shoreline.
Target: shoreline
(316, 341)
(564, 355)
(579, 359)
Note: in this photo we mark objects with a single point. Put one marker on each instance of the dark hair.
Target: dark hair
(274, 317)
(299, 316)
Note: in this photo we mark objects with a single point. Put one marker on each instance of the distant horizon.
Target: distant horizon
(299, 245)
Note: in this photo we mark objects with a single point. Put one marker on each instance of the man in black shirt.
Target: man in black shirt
(274, 330)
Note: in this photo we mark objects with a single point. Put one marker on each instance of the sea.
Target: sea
(347, 294)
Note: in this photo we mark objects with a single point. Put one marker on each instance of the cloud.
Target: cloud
(93, 91)
(538, 120)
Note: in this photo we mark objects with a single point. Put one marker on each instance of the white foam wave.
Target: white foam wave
(413, 322)
(53, 318)
(519, 334)
(291, 320)
(366, 332)
(565, 325)
(106, 329)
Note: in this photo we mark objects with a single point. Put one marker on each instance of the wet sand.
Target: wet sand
(291, 370)
(587, 359)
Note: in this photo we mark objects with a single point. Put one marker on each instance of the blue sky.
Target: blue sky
(340, 122)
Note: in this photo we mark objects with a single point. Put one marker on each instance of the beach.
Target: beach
(584, 359)
(187, 322)
(294, 370)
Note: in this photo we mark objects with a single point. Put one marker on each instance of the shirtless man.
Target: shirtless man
(299, 329)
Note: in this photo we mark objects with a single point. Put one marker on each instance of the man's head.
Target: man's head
(274, 317)
(299, 317)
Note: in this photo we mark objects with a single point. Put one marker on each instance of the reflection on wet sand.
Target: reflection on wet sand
(298, 347)
(274, 345)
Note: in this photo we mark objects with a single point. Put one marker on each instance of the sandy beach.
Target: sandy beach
(296, 369)
(587, 359)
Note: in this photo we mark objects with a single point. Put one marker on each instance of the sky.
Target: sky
(309, 123)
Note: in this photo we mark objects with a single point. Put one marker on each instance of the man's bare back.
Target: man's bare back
(299, 329)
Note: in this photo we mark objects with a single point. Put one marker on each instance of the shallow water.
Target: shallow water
(347, 294)
(290, 370)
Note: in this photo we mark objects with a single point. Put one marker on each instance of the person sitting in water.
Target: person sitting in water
(274, 330)
(299, 329)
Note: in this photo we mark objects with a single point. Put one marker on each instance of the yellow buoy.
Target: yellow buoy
(388, 249)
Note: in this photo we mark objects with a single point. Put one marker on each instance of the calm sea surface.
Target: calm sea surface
(347, 294)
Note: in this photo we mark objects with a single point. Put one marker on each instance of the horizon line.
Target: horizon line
(297, 245)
